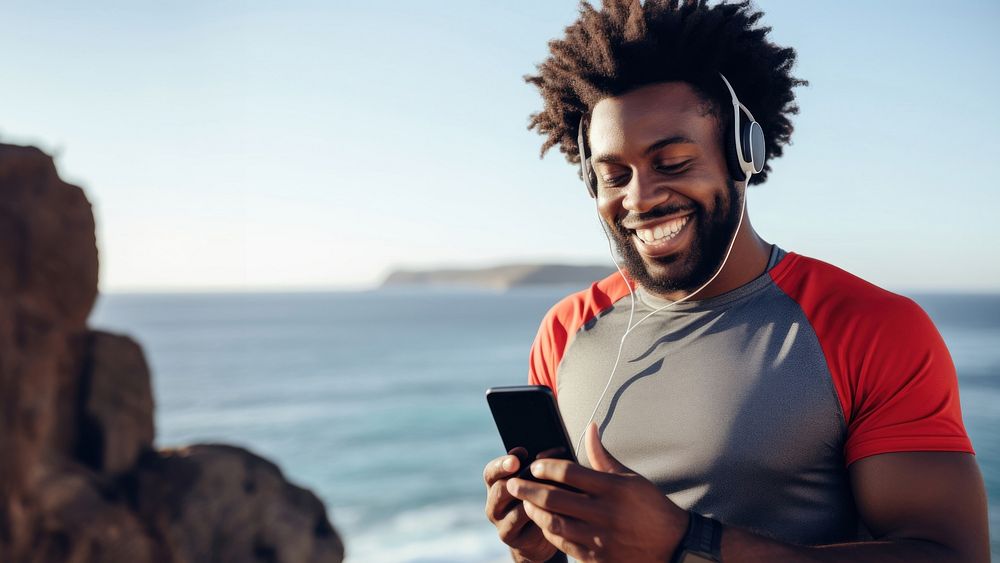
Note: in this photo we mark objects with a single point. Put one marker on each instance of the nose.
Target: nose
(645, 192)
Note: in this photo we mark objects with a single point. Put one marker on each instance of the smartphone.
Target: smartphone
(527, 416)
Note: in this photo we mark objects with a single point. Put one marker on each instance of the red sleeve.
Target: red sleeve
(563, 321)
(547, 351)
(891, 370)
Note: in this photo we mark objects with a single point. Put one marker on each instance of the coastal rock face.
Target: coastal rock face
(48, 251)
(116, 423)
(226, 501)
(80, 480)
(48, 283)
(73, 515)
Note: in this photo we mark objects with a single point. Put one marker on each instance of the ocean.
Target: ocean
(375, 400)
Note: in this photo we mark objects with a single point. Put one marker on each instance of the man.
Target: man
(756, 405)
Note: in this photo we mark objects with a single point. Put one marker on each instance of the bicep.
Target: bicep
(930, 496)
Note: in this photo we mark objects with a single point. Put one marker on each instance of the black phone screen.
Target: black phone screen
(527, 417)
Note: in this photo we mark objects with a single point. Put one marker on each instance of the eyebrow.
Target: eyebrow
(676, 139)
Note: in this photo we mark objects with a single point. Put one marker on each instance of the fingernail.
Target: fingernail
(512, 487)
(508, 464)
(536, 469)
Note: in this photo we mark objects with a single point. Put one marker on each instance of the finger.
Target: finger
(569, 528)
(579, 552)
(575, 550)
(503, 466)
(600, 459)
(589, 481)
(555, 499)
(556, 452)
(499, 501)
(511, 526)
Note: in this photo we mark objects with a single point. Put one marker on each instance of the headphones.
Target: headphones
(745, 155)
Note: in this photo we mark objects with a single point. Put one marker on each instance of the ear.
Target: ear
(600, 459)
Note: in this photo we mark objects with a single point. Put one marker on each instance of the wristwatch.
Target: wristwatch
(702, 543)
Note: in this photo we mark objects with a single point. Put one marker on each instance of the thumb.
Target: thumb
(600, 459)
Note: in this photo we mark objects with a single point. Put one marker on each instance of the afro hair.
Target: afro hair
(629, 44)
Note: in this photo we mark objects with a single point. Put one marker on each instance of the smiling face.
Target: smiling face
(663, 186)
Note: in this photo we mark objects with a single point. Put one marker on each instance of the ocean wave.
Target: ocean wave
(443, 533)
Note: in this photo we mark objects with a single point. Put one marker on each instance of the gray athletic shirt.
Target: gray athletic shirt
(748, 407)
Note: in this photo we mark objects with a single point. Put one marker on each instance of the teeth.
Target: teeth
(662, 232)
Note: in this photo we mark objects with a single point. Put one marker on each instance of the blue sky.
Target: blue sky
(311, 145)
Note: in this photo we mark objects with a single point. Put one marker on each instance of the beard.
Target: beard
(687, 270)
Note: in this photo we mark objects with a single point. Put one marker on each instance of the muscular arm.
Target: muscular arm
(919, 506)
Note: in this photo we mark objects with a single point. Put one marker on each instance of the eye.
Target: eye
(614, 181)
(673, 168)
(613, 175)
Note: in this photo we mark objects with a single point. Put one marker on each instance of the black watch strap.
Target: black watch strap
(702, 542)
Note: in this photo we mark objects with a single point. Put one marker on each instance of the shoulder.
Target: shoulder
(854, 320)
(834, 299)
(563, 320)
(577, 309)
(891, 370)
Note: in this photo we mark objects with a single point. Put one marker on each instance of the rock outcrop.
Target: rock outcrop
(80, 479)
(226, 501)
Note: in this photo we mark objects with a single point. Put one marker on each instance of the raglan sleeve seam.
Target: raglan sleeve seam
(545, 351)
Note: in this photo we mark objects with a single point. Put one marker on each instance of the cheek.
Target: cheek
(608, 207)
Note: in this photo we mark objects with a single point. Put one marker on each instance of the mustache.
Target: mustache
(637, 218)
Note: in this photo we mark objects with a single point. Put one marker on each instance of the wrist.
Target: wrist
(702, 543)
(685, 529)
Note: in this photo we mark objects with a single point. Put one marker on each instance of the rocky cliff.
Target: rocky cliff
(80, 479)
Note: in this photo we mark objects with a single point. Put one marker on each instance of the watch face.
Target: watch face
(690, 557)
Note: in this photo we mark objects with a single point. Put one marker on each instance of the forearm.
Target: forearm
(741, 546)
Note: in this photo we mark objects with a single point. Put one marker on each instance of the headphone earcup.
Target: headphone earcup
(753, 145)
(751, 148)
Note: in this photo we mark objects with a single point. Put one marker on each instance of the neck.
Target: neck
(747, 260)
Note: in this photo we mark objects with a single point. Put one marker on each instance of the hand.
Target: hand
(618, 515)
(507, 513)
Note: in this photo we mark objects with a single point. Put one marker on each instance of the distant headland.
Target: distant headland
(501, 277)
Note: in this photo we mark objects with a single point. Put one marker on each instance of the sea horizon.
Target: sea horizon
(295, 290)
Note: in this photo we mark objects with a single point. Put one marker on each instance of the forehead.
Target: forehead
(641, 117)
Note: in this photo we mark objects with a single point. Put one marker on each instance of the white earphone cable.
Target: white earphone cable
(630, 326)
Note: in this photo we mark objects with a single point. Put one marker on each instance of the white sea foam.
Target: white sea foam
(445, 533)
